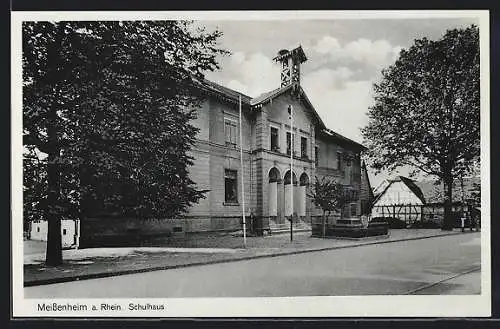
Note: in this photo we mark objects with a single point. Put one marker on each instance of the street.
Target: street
(381, 269)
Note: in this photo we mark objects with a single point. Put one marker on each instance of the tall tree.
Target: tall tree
(426, 110)
(329, 195)
(110, 105)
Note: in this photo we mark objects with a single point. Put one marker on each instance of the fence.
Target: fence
(406, 213)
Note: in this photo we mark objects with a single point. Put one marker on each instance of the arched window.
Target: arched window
(274, 175)
(304, 179)
(287, 178)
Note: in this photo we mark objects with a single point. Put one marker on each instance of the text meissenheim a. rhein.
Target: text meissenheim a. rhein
(55, 307)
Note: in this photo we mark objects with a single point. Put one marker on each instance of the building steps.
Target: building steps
(300, 226)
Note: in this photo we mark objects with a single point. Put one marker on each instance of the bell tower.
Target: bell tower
(290, 61)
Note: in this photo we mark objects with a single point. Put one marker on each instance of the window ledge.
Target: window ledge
(230, 203)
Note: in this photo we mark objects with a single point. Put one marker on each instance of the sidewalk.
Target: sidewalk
(191, 251)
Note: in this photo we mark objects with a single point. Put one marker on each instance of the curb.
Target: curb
(219, 261)
(430, 285)
(369, 238)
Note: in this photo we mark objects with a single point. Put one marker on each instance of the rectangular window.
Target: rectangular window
(64, 231)
(288, 143)
(274, 139)
(303, 147)
(231, 132)
(339, 161)
(231, 187)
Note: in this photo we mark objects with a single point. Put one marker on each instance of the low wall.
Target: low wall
(210, 224)
(113, 232)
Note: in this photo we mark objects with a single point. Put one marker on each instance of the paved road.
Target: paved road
(392, 268)
(467, 284)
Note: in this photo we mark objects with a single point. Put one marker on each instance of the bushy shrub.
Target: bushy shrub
(393, 222)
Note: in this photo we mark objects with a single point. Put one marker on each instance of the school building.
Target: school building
(268, 143)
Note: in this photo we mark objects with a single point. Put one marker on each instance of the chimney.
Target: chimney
(290, 65)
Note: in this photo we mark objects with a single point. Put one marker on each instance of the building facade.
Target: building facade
(269, 140)
(268, 143)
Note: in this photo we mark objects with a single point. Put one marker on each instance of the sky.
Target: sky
(345, 59)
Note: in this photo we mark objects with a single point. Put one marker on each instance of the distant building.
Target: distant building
(69, 232)
(464, 201)
(400, 198)
(411, 201)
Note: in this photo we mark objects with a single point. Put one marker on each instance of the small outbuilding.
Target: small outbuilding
(70, 232)
(400, 198)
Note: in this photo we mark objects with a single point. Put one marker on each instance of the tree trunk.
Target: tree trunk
(448, 218)
(323, 224)
(53, 213)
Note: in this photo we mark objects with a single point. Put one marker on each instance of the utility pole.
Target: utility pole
(242, 183)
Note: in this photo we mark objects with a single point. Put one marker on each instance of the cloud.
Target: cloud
(326, 78)
(253, 74)
(340, 88)
(327, 45)
(376, 53)
(340, 102)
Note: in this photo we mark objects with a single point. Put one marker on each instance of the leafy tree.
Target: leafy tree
(34, 185)
(330, 196)
(426, 110)
(475, 194)
(109, 104)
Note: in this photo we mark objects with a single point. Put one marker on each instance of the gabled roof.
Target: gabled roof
(224, 92)
(380, 187)
(408, 182)
(413, 187)
(266, 97)
(365, 172)
(233, 96)
(270, 94)
(331, 134)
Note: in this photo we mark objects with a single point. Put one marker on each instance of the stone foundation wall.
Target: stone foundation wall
(114, 232)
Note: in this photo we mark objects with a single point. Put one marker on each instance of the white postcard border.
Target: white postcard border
(348, 306)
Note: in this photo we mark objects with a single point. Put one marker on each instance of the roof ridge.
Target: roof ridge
(226, 90)
(275, 92)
